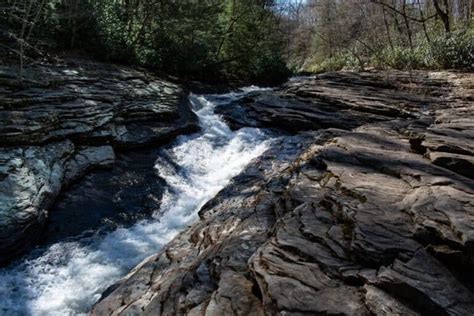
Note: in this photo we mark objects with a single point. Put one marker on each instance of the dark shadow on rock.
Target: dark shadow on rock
(106, 199)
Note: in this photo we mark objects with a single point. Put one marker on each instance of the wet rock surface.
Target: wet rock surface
(118, 196)
(66, 120)
(31, 178)
(370, 217)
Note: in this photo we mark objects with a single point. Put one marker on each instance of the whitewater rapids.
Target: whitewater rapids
(68, 277)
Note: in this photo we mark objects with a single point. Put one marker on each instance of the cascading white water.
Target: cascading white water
(67, 278)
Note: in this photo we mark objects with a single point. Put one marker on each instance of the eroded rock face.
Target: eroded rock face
(365, 218)
(367, 213)
(341, 100)
(449, 141)
(30, 179)
(91, 103)
(64, 121)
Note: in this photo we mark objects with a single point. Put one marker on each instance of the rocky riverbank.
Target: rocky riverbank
(64, 121)
(367, 209)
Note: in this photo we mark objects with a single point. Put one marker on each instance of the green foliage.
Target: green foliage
(404, 58)
(211, 40)
(344, 61)
(111, 29)
(207, 40)
(383, 34)
(270, 69)
(456, 50)
(452, 51)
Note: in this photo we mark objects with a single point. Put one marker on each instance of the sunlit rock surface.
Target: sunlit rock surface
(63, 121)
(370, 216)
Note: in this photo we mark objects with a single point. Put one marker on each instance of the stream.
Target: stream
(68, 276)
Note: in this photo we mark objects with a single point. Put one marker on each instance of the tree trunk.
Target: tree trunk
(422, 15)
(407, 25)
(444, 15)
(27, 7)
(387, 28)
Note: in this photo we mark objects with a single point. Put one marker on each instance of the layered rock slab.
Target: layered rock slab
(368, 214)
(332, 100)
(361, 220)
(333, 238)
(90, 103)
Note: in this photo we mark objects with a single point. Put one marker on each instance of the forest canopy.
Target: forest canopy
(212, 40)
(243, 40)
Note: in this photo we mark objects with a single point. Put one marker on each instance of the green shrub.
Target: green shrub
(405, 58)
(270, 69)
(455, 50)
(338, 62)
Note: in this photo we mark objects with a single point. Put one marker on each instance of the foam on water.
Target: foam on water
(67, 278)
